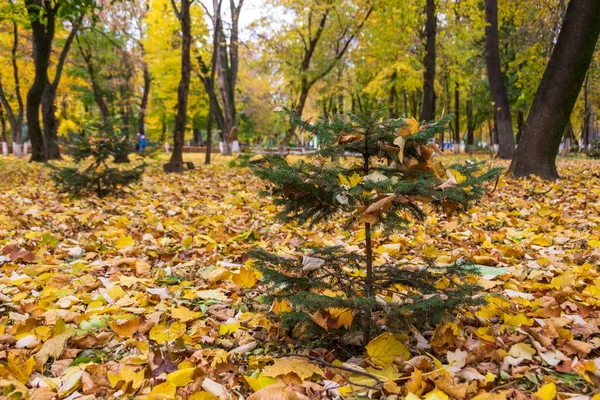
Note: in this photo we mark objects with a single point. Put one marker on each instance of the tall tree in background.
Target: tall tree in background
(15, 117)
(175, 164)
(49, 98)
(428, 108)
(227, 61)
(310, 49)
(558, 91)
(42, 14)
(207, 76)
(498, 93)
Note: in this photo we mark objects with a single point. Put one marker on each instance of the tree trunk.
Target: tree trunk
(15, 118)
(405, 97)
(227, 61)
(3, 125)
(144, 102)
(520, 124)
(569, 136)
(289, 134)
(428, 109)
(175, 164)
(43, 34)
(209, 122)
(197, 136)
(558, 91)
(498, 93)
(470, 126)
(457, 113)
(51, 123)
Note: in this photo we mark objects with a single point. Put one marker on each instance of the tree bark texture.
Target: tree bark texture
(428, 107)
(558, 91)
(175, 164)
(498, 93)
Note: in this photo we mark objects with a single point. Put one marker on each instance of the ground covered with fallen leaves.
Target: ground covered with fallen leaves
(150, 294)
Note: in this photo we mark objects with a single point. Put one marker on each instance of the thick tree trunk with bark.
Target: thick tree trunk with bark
(51, 123)
(175, 164)
(428, 108)
(498, 93)
(558, 91)
(43, 34)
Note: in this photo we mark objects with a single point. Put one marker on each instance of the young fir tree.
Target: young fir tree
(378, 173)
(93, 171)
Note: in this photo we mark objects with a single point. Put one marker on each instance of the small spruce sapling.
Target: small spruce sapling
(93, 171)
(378, 173)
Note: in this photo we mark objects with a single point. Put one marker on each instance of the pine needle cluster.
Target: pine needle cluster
(94, 169)
(379, 174)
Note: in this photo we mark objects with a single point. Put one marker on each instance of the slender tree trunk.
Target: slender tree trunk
(197, 136)
(470, 126)
(3, 125)
(569, 136)
(209, 122)
(558, 91)
(457, 113)
(15, 118)
(415, 104)
(520, 125)
(405, 97)
(588, 116)
(428, 109)
(144, 102)
(498, 93)
(175, 164)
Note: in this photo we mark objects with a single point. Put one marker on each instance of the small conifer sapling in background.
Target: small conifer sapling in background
(94, 171)
(372, 173)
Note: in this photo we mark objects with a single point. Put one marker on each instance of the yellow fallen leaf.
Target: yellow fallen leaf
(125, 328)
(412, 126)
(246, 278)
(384, 348)
(163, 391)
(299, 366)
(124, 241)
(226, 329)
(126, 379)
(182, 377)
(547, 392)
(184, 314)
(594, 243)
(522, 350)
(259, 382)
(281, 306)
(163, 333)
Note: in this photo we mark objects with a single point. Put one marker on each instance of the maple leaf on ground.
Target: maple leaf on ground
(384, 348)
(292, 365)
